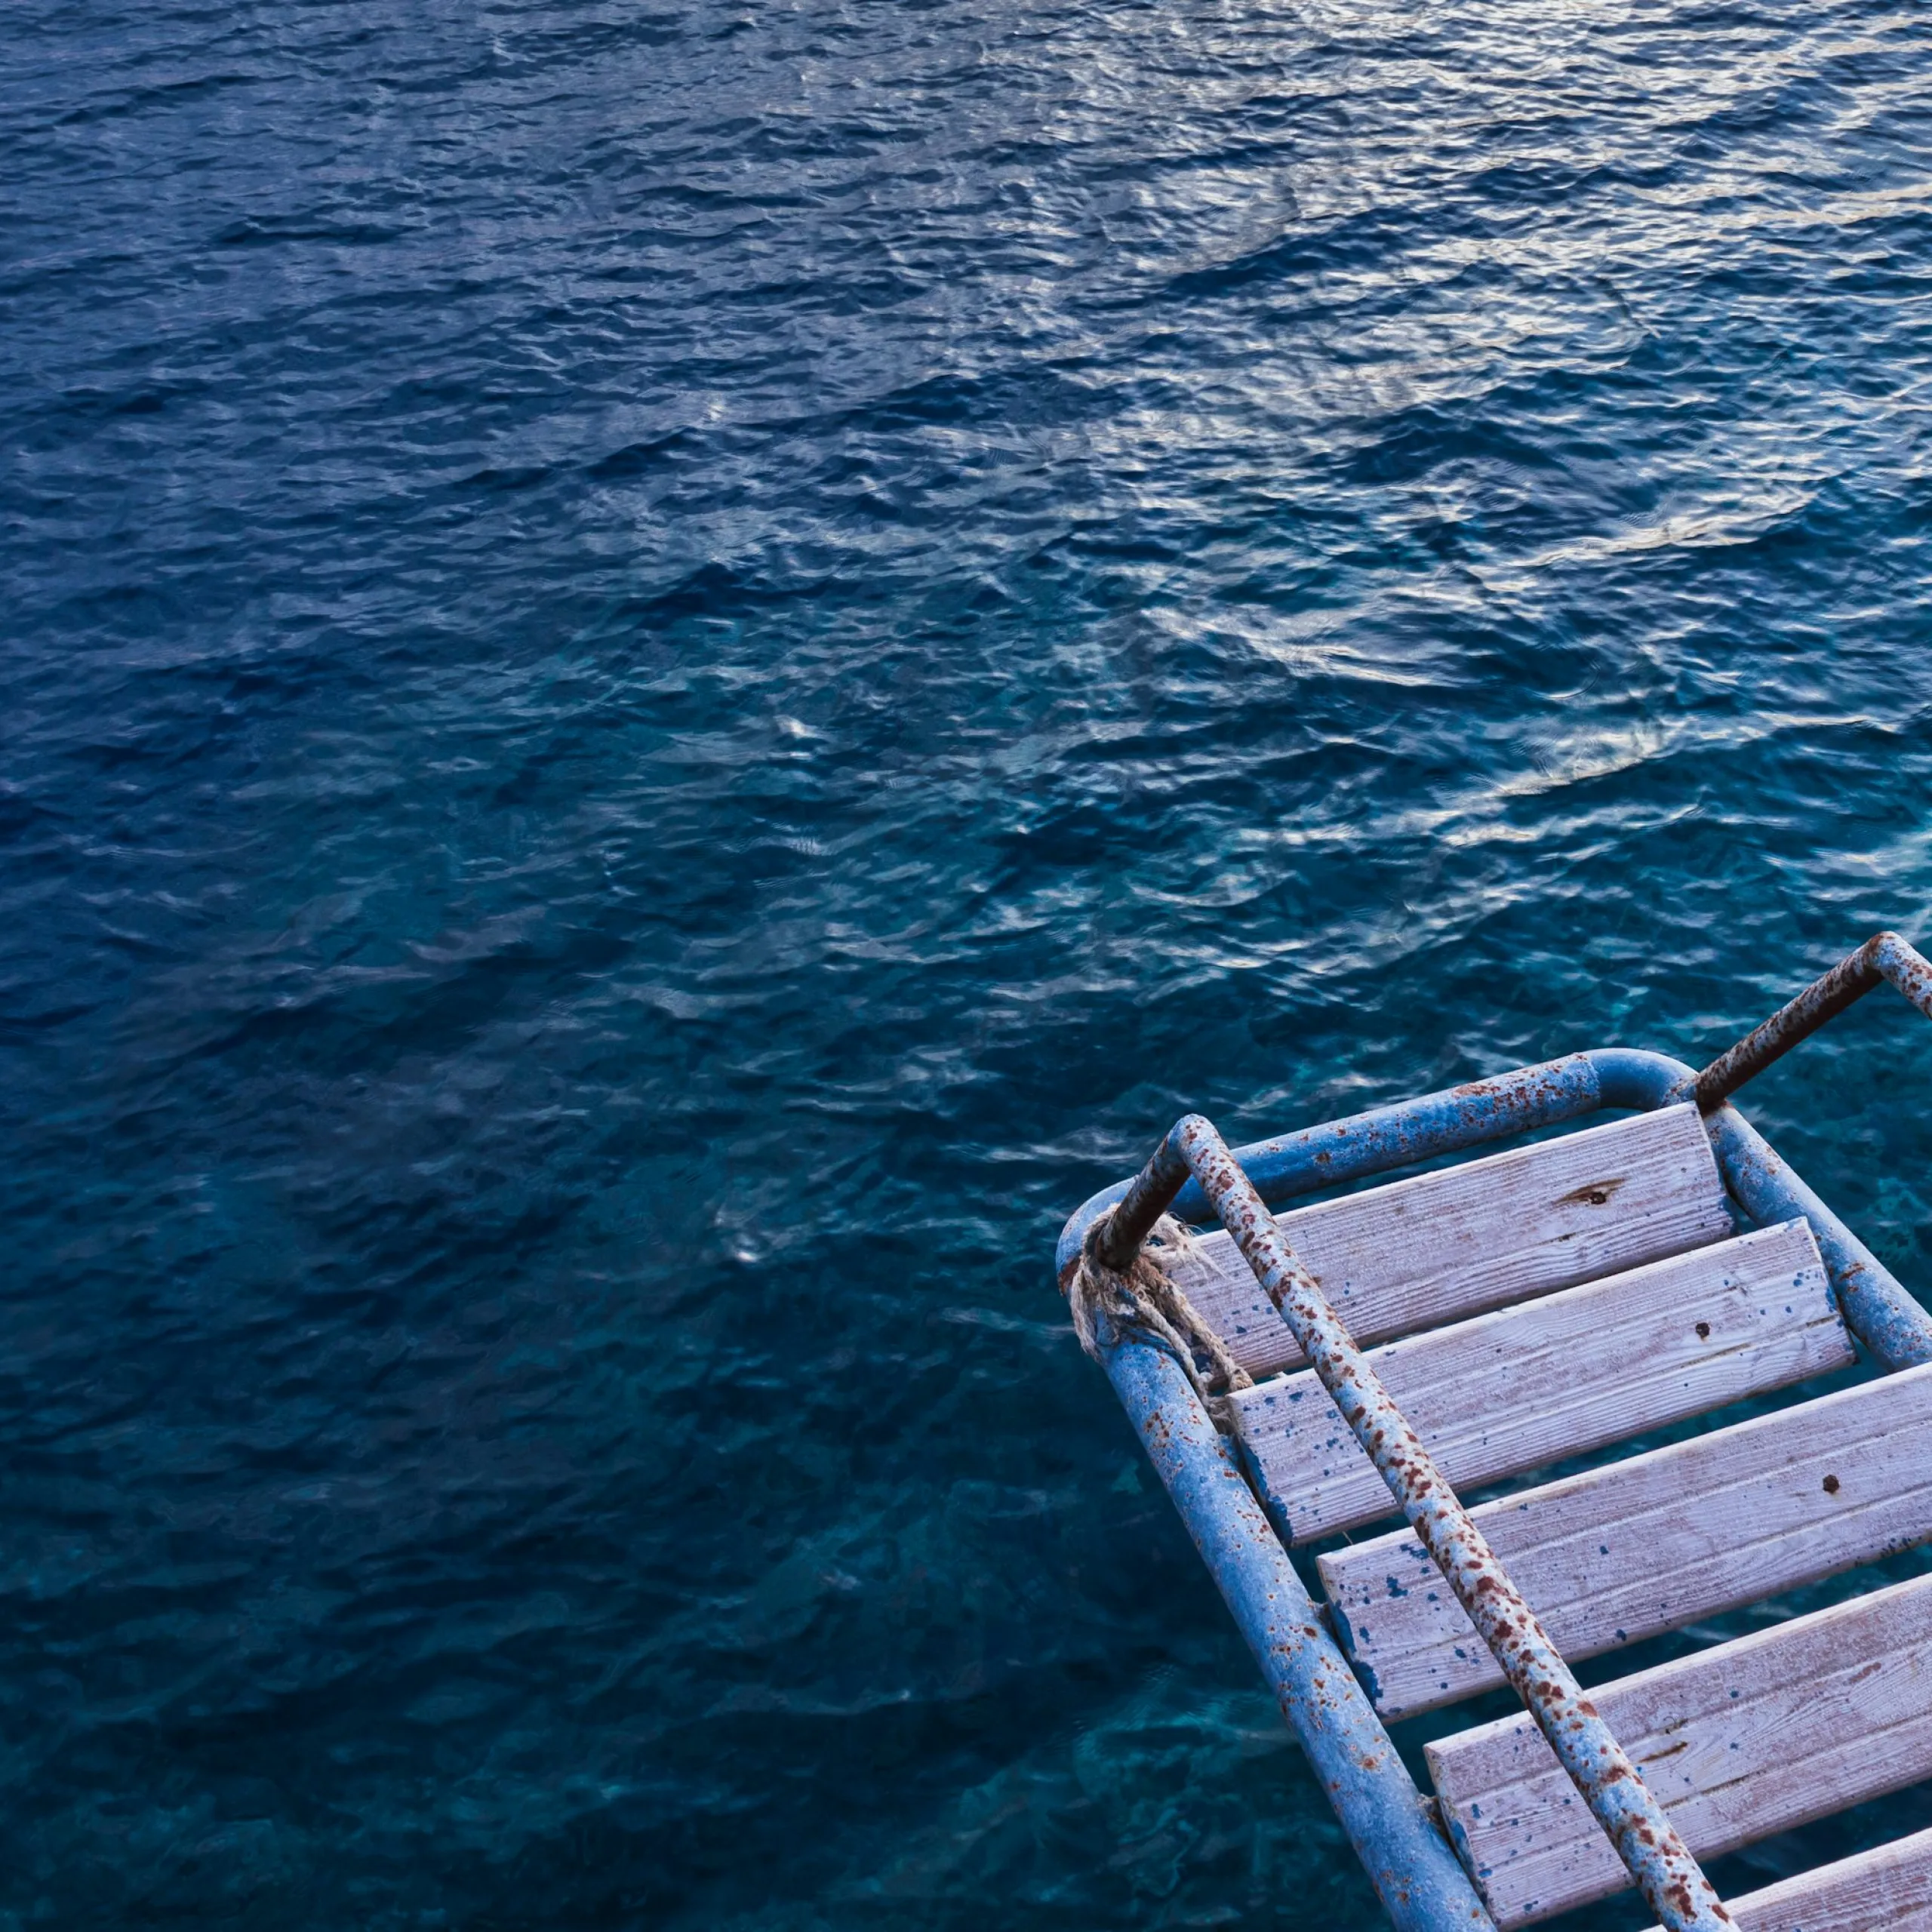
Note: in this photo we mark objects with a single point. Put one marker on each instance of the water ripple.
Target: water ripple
(672, 671)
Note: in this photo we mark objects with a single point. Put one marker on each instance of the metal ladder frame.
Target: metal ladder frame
(1392, 1826)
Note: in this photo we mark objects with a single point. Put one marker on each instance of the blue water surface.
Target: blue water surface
(671, 671)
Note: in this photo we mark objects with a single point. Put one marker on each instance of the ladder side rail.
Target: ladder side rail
(1420, 1881)
(1877, 1307)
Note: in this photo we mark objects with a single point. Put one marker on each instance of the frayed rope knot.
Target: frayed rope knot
(1146, 1301)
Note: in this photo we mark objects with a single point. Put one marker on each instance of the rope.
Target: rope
(1147, 1301)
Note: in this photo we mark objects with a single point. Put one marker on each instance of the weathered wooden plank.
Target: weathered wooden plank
(1525, 1385)
(1438, 1247)
(1889, 1886)
(1742, 1740)
(1652, 1543)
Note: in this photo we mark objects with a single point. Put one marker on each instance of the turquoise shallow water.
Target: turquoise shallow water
(671, 672)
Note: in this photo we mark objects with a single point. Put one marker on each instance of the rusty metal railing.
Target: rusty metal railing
(1669, 1876)
(1884, 956)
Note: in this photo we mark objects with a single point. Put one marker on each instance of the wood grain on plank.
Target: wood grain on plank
(1525, 1385)
(1889, 1886)
(1441, 1246)
(1653, 1542)
(1742, 1740)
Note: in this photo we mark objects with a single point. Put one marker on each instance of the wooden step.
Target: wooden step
(1528, 1384)
(1889, 1886)
(1751, 1737)
(1655, 1542)
(1441, 1246)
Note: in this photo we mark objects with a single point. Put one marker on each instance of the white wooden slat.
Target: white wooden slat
(1441, 1246)
(1742, 1740)
(1889, 1886)
(1650, 1544)
(1525, 1385)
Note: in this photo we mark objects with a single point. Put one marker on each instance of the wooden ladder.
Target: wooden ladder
(1545, 1304)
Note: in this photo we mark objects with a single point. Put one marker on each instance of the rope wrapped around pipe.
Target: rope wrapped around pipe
(1146, 1301)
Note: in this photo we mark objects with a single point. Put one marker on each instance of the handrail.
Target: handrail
(1884, 956)
(1665, 1872)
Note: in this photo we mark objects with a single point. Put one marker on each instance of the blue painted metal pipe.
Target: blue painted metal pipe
(1409, 1861)
(1633, 1078)
(1383, 1138)
(1876, 1306)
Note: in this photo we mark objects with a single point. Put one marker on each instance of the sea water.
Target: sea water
(672, 671)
